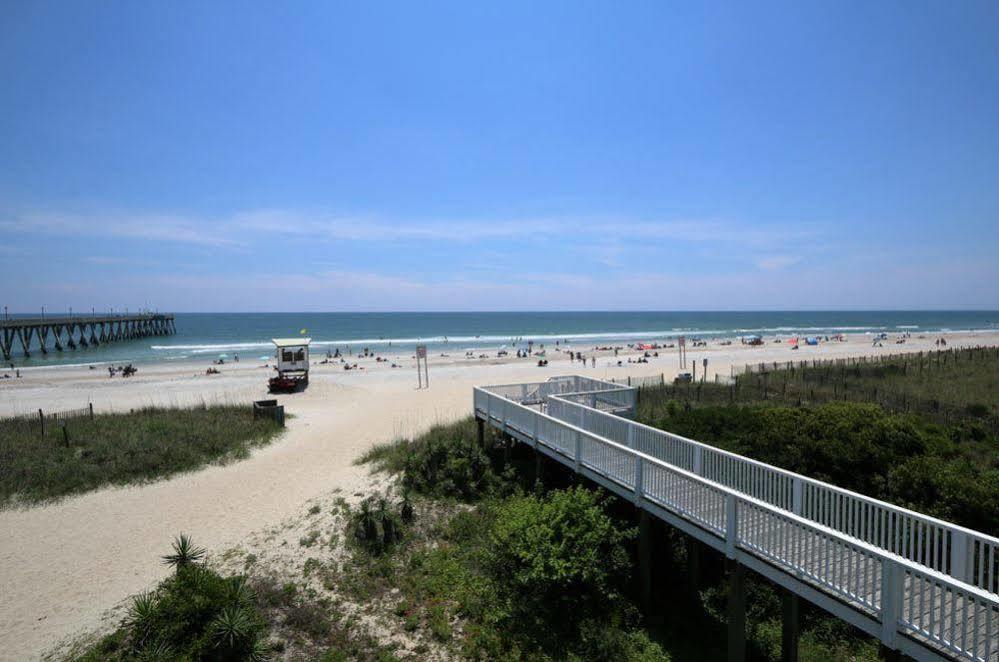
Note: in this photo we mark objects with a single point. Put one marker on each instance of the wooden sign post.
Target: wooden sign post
(421, 353)
(681, 345)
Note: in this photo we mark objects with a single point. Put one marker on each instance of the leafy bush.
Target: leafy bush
(444, 462)
(451, 468)
(560, 563)
(195, 614)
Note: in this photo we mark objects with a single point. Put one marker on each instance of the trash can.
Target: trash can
(269, 409)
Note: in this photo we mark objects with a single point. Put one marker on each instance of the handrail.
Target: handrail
(790, 474)
(774, 520)
(970, 555)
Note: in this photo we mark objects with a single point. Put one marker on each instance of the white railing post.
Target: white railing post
(503, 413)
(639, 487)
(797, 502)
(731, 524)
(697, 461)
(534, 435)
(578, 456)
(959, 555)
(489, 408)
(891, 600)
(631, 436)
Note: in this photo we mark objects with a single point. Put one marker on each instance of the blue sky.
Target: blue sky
(497, 156)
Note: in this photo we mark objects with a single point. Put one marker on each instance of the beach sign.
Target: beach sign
(421, 353)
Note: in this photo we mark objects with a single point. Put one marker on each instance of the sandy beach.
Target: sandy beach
(64, 564)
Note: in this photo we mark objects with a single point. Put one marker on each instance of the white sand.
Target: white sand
(62, 565)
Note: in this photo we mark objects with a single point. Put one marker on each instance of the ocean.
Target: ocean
(210, 335)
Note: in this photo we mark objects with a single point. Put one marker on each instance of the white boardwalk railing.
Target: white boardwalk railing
(900, 572)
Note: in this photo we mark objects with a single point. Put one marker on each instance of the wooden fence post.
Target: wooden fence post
(91, 411)
(41, 419)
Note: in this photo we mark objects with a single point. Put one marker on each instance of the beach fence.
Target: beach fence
(931, 358)
(50, 419)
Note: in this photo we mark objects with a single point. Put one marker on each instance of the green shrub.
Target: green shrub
(194, 614)
(449, 466)
(445, 462)
(560, 563)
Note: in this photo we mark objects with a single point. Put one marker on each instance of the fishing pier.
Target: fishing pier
(79, 331)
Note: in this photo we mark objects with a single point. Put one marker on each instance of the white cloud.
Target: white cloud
(776, 262)
(118, 225)
(236, 230)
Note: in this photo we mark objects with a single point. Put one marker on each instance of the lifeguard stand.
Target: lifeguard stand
(292, 356)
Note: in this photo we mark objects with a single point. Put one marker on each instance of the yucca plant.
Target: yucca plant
(238, 590)
(367, 523)
(140, 617)
(184, 554)
(387, 519)
(258, 651)
(231, 628)
(407, 508)
(158, 652)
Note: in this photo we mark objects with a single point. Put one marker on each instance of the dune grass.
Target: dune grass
(950, 386)
(117, 449)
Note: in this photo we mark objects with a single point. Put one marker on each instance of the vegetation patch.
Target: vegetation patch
(949, 471)
(199, 613)
(544, 571)
(194, 614)
(117, 449)
(514, 574)
(950, 386)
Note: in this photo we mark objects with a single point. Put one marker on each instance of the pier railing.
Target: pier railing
(915, 574)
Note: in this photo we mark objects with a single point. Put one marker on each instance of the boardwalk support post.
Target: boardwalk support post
(481, 431)
(645, 559)
(694, 562)
(791, 627)
(736, 611)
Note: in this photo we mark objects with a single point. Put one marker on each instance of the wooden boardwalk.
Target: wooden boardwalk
(864, 569)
